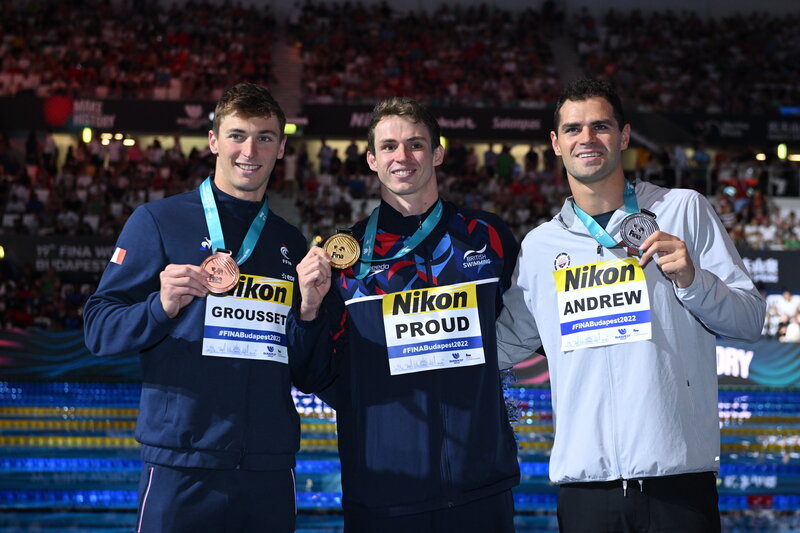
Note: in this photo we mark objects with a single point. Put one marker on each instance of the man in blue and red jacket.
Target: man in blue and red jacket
(409, 336)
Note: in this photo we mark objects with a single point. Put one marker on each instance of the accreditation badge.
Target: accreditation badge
(604, 303)
(250, 321)
(433, 328)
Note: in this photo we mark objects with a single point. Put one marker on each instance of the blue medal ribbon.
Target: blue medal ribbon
(215, 228)
(415, 240)
(596, 230)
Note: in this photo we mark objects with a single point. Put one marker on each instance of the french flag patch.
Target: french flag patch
(119, 256)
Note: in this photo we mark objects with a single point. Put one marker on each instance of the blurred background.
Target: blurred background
(105, 105)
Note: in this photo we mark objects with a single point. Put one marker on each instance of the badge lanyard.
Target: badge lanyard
(215, 228)
(597, 231)
(372, 230)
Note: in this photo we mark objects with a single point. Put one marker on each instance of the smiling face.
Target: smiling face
(246, 150)
(589, 140)
(405, 162)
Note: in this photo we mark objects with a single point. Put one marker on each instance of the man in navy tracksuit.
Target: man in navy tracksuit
(217, 422)
(409, 334)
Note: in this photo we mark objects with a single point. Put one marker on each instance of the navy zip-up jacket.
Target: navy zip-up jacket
(195, 410)
(423, 440)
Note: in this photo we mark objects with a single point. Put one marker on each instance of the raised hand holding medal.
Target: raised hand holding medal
(673, 258)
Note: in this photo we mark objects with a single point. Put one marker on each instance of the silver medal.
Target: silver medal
(636, 228)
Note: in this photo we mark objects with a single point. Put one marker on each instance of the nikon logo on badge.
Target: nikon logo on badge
(591, 276)
(422, 302)
(276, 291)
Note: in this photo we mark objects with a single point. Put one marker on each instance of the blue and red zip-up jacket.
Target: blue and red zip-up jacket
(426, 440)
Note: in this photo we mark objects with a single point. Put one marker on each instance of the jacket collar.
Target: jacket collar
(392, 221)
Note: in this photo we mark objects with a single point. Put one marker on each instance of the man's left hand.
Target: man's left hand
(673, 257)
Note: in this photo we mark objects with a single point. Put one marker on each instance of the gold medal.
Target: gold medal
(343, 249)
(222, 272)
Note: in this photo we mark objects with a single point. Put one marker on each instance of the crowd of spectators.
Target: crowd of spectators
(684, 62)
(752, 222)
(132, 49)
(354, 53)
(490, 56)
(474, 56)
(95, 189)
(91, 194)
(29, 299)
(98, 186)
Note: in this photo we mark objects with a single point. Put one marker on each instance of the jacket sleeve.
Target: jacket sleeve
(499, 233)
(510, 253)
(722, 296)
(314, 346)
(517, 333)
(125, 314)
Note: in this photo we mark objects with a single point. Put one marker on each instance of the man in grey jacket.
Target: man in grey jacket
(625, 289)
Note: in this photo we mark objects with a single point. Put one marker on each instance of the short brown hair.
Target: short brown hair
(248, 100)
(581, 90)
(402, 106)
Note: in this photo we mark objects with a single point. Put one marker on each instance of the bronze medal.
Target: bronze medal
(636, 228)
(222, 272)
(343, 249)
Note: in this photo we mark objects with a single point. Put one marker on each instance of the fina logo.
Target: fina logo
(205, 244)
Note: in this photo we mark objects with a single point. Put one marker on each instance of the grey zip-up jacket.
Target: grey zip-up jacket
(645, 408)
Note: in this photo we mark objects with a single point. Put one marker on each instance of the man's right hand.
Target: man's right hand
(180, 284)
(314, 277)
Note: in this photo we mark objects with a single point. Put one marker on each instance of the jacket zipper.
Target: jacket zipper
(445, 464)
(614, 422)
(427, 259)
(243, 451)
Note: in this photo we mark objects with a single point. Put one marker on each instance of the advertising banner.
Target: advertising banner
(75, 259)
(523, 124)
(66, 113)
